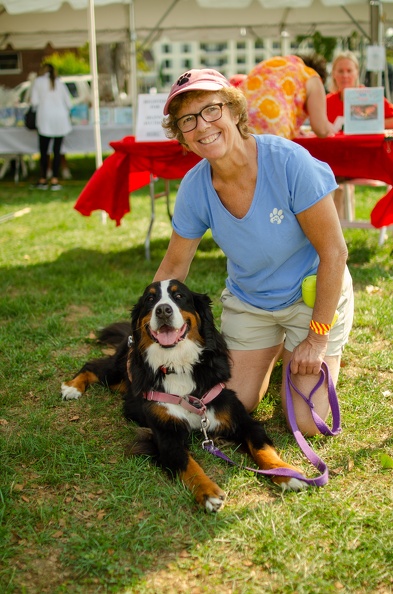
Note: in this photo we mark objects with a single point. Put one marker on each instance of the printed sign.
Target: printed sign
(376, 55)
(149, 118)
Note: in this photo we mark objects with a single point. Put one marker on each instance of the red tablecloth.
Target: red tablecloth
(129, 169)
(359, 156)
(130, 166)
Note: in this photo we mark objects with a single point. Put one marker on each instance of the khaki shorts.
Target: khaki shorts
(248, 328)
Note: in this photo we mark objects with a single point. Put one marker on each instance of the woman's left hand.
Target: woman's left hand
(309, 355)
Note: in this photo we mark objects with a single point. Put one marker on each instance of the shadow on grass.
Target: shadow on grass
(83, 275)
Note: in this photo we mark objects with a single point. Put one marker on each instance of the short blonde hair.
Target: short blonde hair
(347, 55)
(232, 96)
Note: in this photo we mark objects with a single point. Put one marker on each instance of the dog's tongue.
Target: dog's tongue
(168, 336)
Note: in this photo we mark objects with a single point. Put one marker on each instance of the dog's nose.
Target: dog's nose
(164, 311)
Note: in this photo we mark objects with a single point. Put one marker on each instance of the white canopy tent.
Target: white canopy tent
(28, 23)
(32, 24)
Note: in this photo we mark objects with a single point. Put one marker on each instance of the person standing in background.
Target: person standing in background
(282, 93)
(51, 100)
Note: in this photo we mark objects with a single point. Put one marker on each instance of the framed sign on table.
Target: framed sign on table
(364, 110)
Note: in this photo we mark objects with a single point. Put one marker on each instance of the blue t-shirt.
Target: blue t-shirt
(268, 255)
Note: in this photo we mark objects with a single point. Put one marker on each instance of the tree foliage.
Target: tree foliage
(323, 46)
(70, 62)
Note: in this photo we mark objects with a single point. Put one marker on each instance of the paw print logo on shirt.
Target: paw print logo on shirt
(276, 216)
(184, 79)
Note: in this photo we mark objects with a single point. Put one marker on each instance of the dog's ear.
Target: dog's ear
(135, 315)
(135, 364)
(214, 341)
(202, 304)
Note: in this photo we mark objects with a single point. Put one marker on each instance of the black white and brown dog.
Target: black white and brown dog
(171, 364)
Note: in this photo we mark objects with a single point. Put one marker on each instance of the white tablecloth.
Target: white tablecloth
(21, 141)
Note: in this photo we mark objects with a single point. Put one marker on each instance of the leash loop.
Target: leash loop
(333, 401)
(301, 441)
(323, 428)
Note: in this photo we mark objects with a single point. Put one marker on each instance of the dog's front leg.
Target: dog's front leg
(252, 432)
(104, 371)
(74, 389)
(267, 458)
(206, 492)
(170, 436)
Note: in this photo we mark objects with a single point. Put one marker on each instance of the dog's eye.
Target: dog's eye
(150, 298)
(177, 296)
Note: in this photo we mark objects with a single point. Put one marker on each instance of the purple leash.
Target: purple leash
(323, 478)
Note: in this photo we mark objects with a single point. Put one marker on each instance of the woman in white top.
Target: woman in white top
(52, 102)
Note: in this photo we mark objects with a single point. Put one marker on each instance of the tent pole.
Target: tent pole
(133, 67)
(94, 72)
(96, 97)
(374, 34)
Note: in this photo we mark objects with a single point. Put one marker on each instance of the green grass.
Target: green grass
(78, 515)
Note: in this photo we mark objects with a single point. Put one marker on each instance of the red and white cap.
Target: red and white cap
(205, 79)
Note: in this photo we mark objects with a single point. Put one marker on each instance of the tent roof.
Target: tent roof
(27, 6)
(57, 22)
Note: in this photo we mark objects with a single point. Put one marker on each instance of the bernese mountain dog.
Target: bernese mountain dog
(171, 365)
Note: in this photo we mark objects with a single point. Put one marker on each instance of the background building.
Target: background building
(171, 58)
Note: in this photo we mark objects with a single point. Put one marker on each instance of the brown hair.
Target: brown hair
(317, 63)
(232, 96)
(52, 74)
(347, 55)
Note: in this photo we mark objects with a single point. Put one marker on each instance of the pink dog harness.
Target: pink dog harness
(190, 403)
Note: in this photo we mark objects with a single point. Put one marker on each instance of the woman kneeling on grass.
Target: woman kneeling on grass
(269, 206)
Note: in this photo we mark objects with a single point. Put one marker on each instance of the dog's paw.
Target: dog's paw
(215, 503)
(69, 392)
(290, 483)
(293, 484)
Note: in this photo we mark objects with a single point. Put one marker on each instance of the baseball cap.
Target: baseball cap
(205, 79)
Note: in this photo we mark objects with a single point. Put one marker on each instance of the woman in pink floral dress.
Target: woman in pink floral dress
(282, 93)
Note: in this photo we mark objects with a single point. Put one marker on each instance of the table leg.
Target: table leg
(17, 168)
(153, 197)
(168, 199)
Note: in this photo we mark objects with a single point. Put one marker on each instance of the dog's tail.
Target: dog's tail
(115, 333)
(143, 443)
